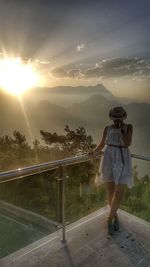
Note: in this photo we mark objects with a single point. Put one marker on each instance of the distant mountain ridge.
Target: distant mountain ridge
(66, 95)
(99, 88)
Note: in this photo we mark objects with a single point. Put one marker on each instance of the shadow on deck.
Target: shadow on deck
(88, 244)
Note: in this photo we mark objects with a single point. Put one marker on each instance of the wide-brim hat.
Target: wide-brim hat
(117, 113)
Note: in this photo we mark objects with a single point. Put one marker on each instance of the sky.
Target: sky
(81, 42)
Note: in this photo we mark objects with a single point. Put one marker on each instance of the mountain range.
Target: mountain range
(38, 111)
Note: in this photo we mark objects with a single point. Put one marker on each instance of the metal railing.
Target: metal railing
(60, 164)
(43, 167)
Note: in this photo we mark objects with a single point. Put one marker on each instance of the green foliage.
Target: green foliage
(37, 193)
(53, 138)
(15, 152)
(77, 140)
(72, 142)
(82, 197)
(136, 200)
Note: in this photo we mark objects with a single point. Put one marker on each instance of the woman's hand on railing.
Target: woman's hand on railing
(94, 152)
(91, 153)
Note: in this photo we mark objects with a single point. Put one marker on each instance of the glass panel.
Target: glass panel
(83, 196)
(137, 200)
(28, 210)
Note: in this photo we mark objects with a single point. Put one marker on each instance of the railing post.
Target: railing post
(61, 200)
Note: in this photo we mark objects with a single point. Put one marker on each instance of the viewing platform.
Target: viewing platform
(88, 244)
(40, 207)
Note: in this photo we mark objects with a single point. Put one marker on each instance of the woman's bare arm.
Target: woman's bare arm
(127, 137)
(101, 145)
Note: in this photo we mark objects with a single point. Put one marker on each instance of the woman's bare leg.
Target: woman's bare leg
(115, 203)
(110, 191)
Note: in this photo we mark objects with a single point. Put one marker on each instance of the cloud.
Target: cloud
(125, 67)
(74, 73)
(80, 47)
(59, 73)
(41, 62)
(117, 68)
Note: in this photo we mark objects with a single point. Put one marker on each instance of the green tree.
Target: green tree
(72, 142)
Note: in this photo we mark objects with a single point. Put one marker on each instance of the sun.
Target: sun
(17, 76)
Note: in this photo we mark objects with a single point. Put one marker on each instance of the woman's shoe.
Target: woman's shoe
(116, 223)
(110, 229)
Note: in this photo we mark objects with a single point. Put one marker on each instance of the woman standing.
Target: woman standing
(115, 167)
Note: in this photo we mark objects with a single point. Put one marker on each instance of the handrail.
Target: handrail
(140, 157)
(43, 167)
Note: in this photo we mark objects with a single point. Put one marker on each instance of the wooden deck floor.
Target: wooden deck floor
(88, 244)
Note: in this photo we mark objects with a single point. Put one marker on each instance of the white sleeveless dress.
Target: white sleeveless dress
(115, 167)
